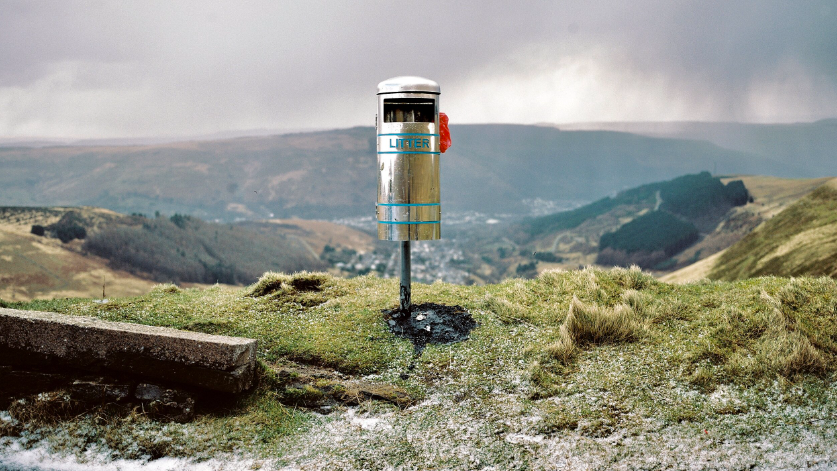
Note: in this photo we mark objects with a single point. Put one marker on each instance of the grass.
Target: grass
(591, 324)
(589, 353)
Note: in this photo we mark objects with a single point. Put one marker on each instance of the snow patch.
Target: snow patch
(16, 457)
(366, 423)
(518, 438)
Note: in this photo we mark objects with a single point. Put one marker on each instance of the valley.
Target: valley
(516, 203)
(476, 248)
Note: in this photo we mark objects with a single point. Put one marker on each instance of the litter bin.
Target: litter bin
(409, 207)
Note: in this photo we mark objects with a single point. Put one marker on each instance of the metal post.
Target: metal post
(405, 276)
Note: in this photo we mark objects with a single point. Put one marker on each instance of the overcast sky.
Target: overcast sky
(103, 69)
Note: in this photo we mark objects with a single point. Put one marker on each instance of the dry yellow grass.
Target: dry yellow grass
(772, 196)
(591, 324)
(694, 272)
(37, 267)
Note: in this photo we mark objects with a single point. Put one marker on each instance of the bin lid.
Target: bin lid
(408, 84)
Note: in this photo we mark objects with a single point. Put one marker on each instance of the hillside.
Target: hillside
(331, 174)
(648, 225)
(73, 251)
(799, 241)
(316, 235)
(592, 369)
(33, 267)
(772, 196)
(809, 148)
(186, 249)
(574, 236)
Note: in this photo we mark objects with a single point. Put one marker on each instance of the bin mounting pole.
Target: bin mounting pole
(405, 276)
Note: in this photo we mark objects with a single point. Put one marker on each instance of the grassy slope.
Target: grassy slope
(772, 195)
(317, 234)
(801, 240)
(39, 267)
(704, 371)
(186, 249)
(151, 249)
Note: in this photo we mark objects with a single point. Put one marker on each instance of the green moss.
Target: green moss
(303, 395)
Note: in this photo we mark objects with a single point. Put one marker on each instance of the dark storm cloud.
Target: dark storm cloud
(97, 69)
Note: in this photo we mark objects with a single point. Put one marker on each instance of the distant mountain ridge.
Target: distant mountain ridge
(810, 147)
(331, 174)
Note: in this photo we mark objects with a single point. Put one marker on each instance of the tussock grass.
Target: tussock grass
(273, 283)
(588, 324)
(165, 288)
(639, 303)
(789, 334)
(783, 348)
(506, 311)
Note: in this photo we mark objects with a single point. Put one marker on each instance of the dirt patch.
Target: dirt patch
(431, 323)
(318, 388)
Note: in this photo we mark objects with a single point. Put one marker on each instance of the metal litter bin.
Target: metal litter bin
(409, 206)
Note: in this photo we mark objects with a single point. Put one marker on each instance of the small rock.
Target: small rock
(98, 390)
(148, 392)
(391, 322)
(172, 404)
(420, 317)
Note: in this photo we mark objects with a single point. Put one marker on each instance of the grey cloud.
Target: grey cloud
(208, 66)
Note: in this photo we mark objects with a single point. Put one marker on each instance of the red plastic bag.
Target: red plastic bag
(444, 132)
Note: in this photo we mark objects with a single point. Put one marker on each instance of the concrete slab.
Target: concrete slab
(214, 362)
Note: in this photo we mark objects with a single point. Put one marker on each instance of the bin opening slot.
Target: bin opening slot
(409, 110)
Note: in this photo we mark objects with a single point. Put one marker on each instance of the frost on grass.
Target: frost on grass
(705, 375)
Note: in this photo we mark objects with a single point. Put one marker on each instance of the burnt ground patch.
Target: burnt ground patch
(430, 323)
